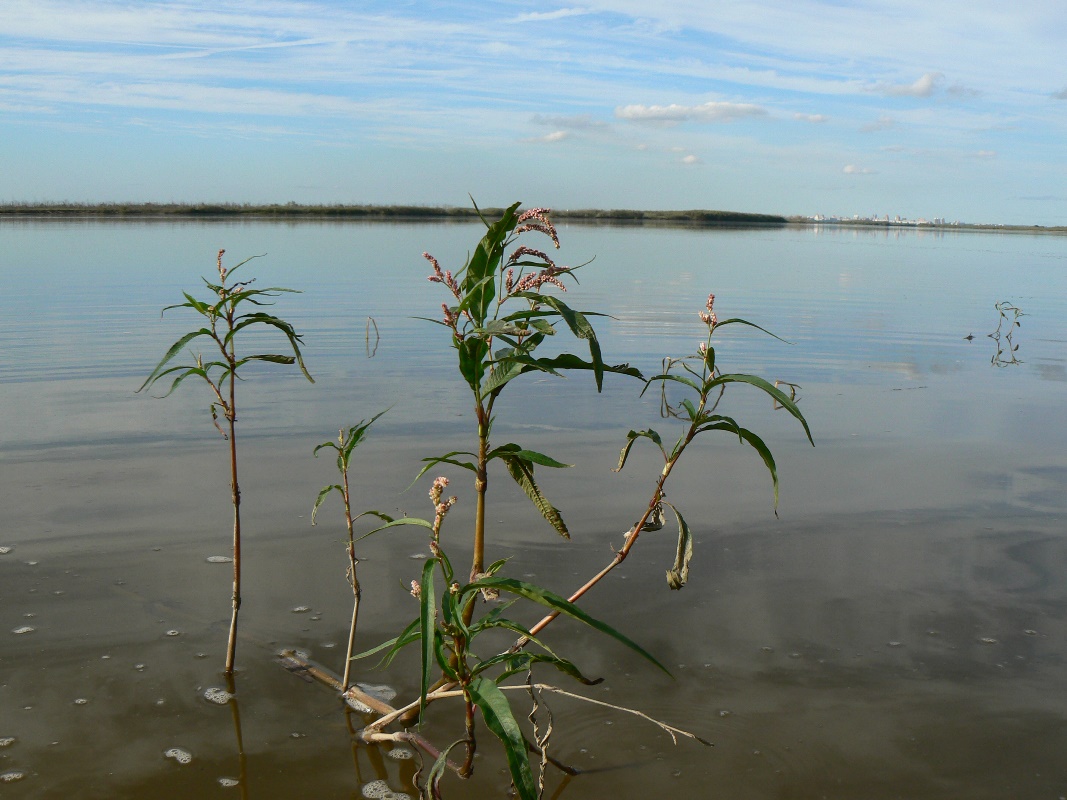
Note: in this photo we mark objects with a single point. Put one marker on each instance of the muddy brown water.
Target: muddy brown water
(899, 630)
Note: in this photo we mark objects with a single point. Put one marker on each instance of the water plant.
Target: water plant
(347, 441)
(500, 302)
(225, 317)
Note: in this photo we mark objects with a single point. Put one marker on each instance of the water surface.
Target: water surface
(897, 631)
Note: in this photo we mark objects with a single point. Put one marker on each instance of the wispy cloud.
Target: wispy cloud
(923, 87)
(883, 123)
(550, 138)
(692, 160)
(575, 122)
(852, 169)
(706, 112)
(816, 118)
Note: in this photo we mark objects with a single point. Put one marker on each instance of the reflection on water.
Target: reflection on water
(899, 631)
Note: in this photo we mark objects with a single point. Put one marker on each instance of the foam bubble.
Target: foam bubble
(173, 633)
(11, 777)
(301, 609)
(81, 701)
(4, 551)
(7, 741)
(375, 790)
(219, 559)
(379, 690)
(218, 696)
(22, 630)
(179, 755)
(401, 753)
(987, 640)
(229, 782)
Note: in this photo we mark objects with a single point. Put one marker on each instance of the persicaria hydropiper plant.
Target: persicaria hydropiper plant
(499, 308)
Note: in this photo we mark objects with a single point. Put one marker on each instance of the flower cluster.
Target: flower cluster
(540, 223)
(534, 280)
(440, 506)
(708, 317)
(444, 277)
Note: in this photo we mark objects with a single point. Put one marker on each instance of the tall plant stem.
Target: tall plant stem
(481, 486)
(231, 416)
(352, 561)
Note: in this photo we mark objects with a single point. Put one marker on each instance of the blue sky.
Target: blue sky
(933, 108)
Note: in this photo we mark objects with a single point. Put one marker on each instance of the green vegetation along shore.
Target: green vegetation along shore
(381, 213)
(365, 212)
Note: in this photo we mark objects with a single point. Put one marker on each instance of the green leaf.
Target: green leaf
(579, 326)
(632, 437)
(175, 348)
(521, 472)
(394, 523)
(446, 459)
(754, 380)
(514, 450)
(410, 634)
(472, 352)
(323, 492)
(553, 601)
(428, 627)
(678, 575)
(736, 321)
(498, 718)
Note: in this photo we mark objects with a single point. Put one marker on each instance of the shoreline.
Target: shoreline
(411, 213)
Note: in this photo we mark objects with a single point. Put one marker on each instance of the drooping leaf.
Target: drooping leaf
(521, 472)
(632, 437)
(754, 380)
(323, 493)
(175, 348)
(678, 575)
(553, 601)
(496, 711)
(396, 522)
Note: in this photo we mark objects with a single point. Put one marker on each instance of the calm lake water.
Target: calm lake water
(899, 630)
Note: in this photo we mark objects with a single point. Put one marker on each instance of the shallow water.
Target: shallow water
(900, 630)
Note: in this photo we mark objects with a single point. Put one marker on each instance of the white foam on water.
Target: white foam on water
(218, 696)
(301, 610)
(219, 560)
(4, 551)
(7, 741)
(379, 690)
(401, 753)
(10, 777)
(22, 630)
(173, 633)
(179, 755)
(139, 667)
(81, 701)
(375, 790)
(229, 782)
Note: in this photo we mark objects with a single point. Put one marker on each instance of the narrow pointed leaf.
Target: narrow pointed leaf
(521, 472)
(498, 718)
(554, 602)
(175, 348)
(323, 493)
(678, 575)
(428, 627)
(782, 398)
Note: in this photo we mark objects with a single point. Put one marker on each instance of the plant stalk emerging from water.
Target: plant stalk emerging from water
(224, 320)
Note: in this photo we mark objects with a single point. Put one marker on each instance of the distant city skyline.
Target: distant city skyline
(777, 107)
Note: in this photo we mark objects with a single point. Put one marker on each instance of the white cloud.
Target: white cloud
(923, 87)
(707, 112)
(884, 123)
(543, 16)
(852, 169)
(691, 160)
(551, 138)
(986, 154)
(816, 118)
(576, 122)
